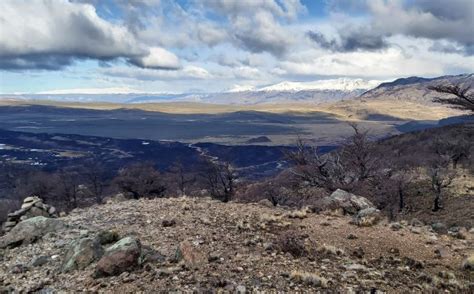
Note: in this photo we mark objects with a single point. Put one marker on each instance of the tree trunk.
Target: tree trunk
(437, 202)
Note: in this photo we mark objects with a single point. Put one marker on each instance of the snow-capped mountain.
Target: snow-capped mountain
(284, 92)
(341, 84)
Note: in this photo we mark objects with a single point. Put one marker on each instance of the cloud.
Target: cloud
(258, 25)
(157, 58)
(426, 19)
(45, 34)
(410, 57)
(189, 72)
(350, 40)
(435, 20)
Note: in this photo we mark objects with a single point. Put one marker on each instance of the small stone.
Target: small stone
(108, 237)
(18, 269)
(240, 289)
(468, 263)
(439, 228)
(416, 223)
(265, 203)
(168, 223)
(27, 206)
(358, 252)
(396, 226)
(52, 210)
(441, 253)
(214, 257)
(40, 261)
(415, 230)
(191, 256)
(30, 199)
(352, 237)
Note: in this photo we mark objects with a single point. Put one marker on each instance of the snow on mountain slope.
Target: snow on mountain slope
(341, 84)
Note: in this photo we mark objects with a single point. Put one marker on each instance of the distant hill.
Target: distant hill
(414, 89)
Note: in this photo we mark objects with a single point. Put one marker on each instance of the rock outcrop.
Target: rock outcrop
(32, 206)
(367, 217)
(345, 202)
(30, 230)
(123, 256)
(81, 253)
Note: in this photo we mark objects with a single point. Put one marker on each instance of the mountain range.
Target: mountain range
(321, 91)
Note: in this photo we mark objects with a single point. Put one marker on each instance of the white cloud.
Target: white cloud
(410, 57)
(158, 58)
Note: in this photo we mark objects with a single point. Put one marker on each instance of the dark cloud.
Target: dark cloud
(349, 41)
(58, 33)
(451, 20)
(450, 47)
(35, 61)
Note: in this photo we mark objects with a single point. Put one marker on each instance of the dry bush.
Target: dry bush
(291, 242)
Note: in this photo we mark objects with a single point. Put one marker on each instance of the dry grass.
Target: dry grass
(344, 110)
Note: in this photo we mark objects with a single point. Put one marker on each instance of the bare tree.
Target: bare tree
(358, 154)
(220, 179)
(182, 179)
(462, 96)
(441, 178)
(68, 189)
(355, 162)
(140, 180)
(95, 179)
(314, 169)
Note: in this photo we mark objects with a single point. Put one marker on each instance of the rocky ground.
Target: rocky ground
(190, 244)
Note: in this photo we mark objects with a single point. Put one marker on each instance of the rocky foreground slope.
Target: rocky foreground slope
(200, 244)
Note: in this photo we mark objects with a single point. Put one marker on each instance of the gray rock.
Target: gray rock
(240, 289)
(35, 211)
(349, 203)
(396, 226)
(18, 269)
(30, 230)
(266, 203)
(81, 253)
(108, 237)
(52, 210)
(40, 261)
(30, 199)
(416, 223)
(439, 228)
(367, 217)
(123, 256)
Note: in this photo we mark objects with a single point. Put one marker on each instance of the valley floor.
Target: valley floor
(243, 249)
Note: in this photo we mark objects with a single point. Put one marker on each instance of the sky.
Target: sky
(165, 46)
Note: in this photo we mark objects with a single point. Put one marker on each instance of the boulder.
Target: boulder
(266, 203)
(30, 230)
(468, 263)
(32, 206)
(367, 217)
(81, 253)
(123, 256)
(439, 228)
(345, 201)
(192, 257)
